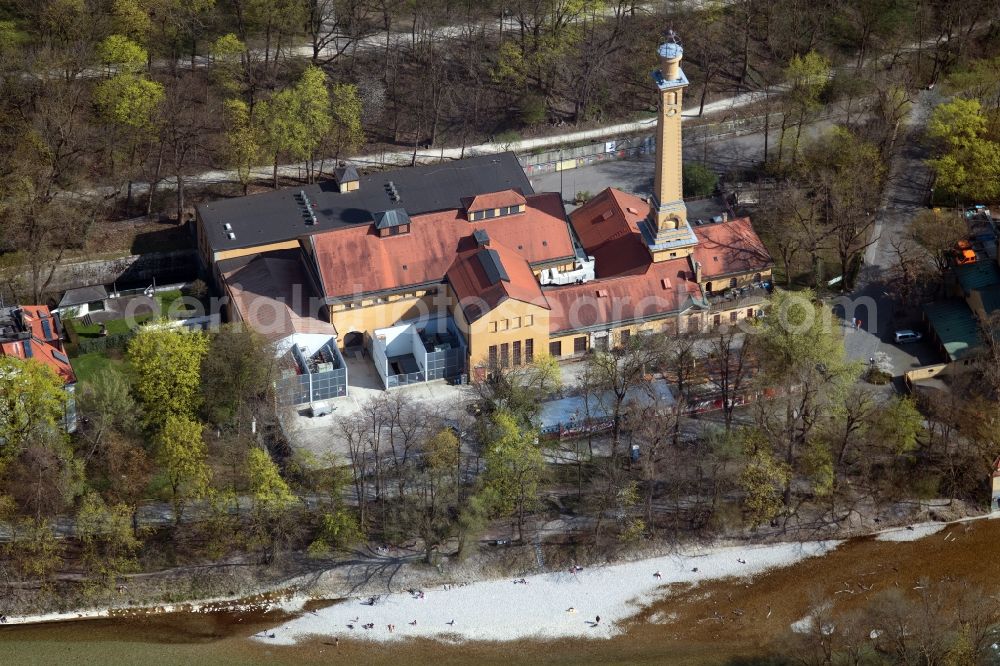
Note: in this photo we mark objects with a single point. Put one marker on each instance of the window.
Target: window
(529, 350)
(493, 356)
(555, 348)
(624, 337)
(529, 320)
(493, 327)
(749, 312)
(502, 325)
(732, 283)
(517, 352)
(708, 287)
(580, 344)
(505, 355)
(733, 316)
(490, 212)
(717, 320)
(515, 322)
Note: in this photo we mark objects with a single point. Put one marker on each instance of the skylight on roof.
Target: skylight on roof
(490, 261)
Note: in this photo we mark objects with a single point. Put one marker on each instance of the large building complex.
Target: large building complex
(445, 270)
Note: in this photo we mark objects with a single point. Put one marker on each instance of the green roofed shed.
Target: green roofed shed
(954, 325)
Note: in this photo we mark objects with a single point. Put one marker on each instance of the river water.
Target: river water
(717, 622)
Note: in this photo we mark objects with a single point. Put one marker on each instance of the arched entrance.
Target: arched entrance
(354, 340)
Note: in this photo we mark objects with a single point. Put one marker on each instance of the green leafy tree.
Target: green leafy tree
(338, 525)
(314, 112)
(181, 454)
(167, 364)
(280, 126)
(968, 162)
(129, 103)
(510, 66)
(272, 520)
(346, 133)
(34, 552)
(897, 425)
(436, 501)
(244, 140)
(131, 18)
(520, 391)
(122, 53)
(514, 466)
(979, 80)
(802, 354)
(762, 479)
(807, 76)
(32, 406)
(268, 490)
(699, 180)
(108, 404)
(108, 541)
(236, 376)
(957, 124)
(229, 64)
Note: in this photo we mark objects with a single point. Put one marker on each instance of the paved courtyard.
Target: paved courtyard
(321, 437)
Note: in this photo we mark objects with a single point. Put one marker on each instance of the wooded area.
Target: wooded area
(102, 94)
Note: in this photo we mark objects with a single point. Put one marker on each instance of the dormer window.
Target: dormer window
(393, 222)
(494, 204)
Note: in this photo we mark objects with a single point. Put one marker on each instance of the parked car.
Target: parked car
(906, 335)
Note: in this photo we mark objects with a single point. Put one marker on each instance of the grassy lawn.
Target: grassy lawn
(87, 366)
(117, 326)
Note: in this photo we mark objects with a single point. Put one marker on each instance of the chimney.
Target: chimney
(481, 237)
(725, 217)
(697, 271)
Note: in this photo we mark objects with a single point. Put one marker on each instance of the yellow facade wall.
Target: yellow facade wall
(367, 318)
(723, 283)
(693, 321)
(498, 327)
(677, 253)
(244, 251)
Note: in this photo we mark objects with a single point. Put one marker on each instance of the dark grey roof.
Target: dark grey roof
(82, 295)
(345, 174)
(273, 217)
(391, 218)
(481, 237)
(495, 272)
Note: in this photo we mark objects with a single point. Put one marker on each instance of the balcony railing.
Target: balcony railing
(392, 381)
(738, 297)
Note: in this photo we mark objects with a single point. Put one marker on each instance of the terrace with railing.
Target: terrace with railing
(415, 352)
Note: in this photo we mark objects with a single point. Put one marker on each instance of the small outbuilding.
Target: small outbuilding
(82, 301)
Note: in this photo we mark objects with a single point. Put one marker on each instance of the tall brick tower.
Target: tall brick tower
(667, 232)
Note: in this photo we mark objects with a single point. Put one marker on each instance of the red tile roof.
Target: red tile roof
(663, 289)
(730, 247)
(43, 349)
(608, 229)
(477, 294)
(34, 315)
(354, 260)
(489, 200)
